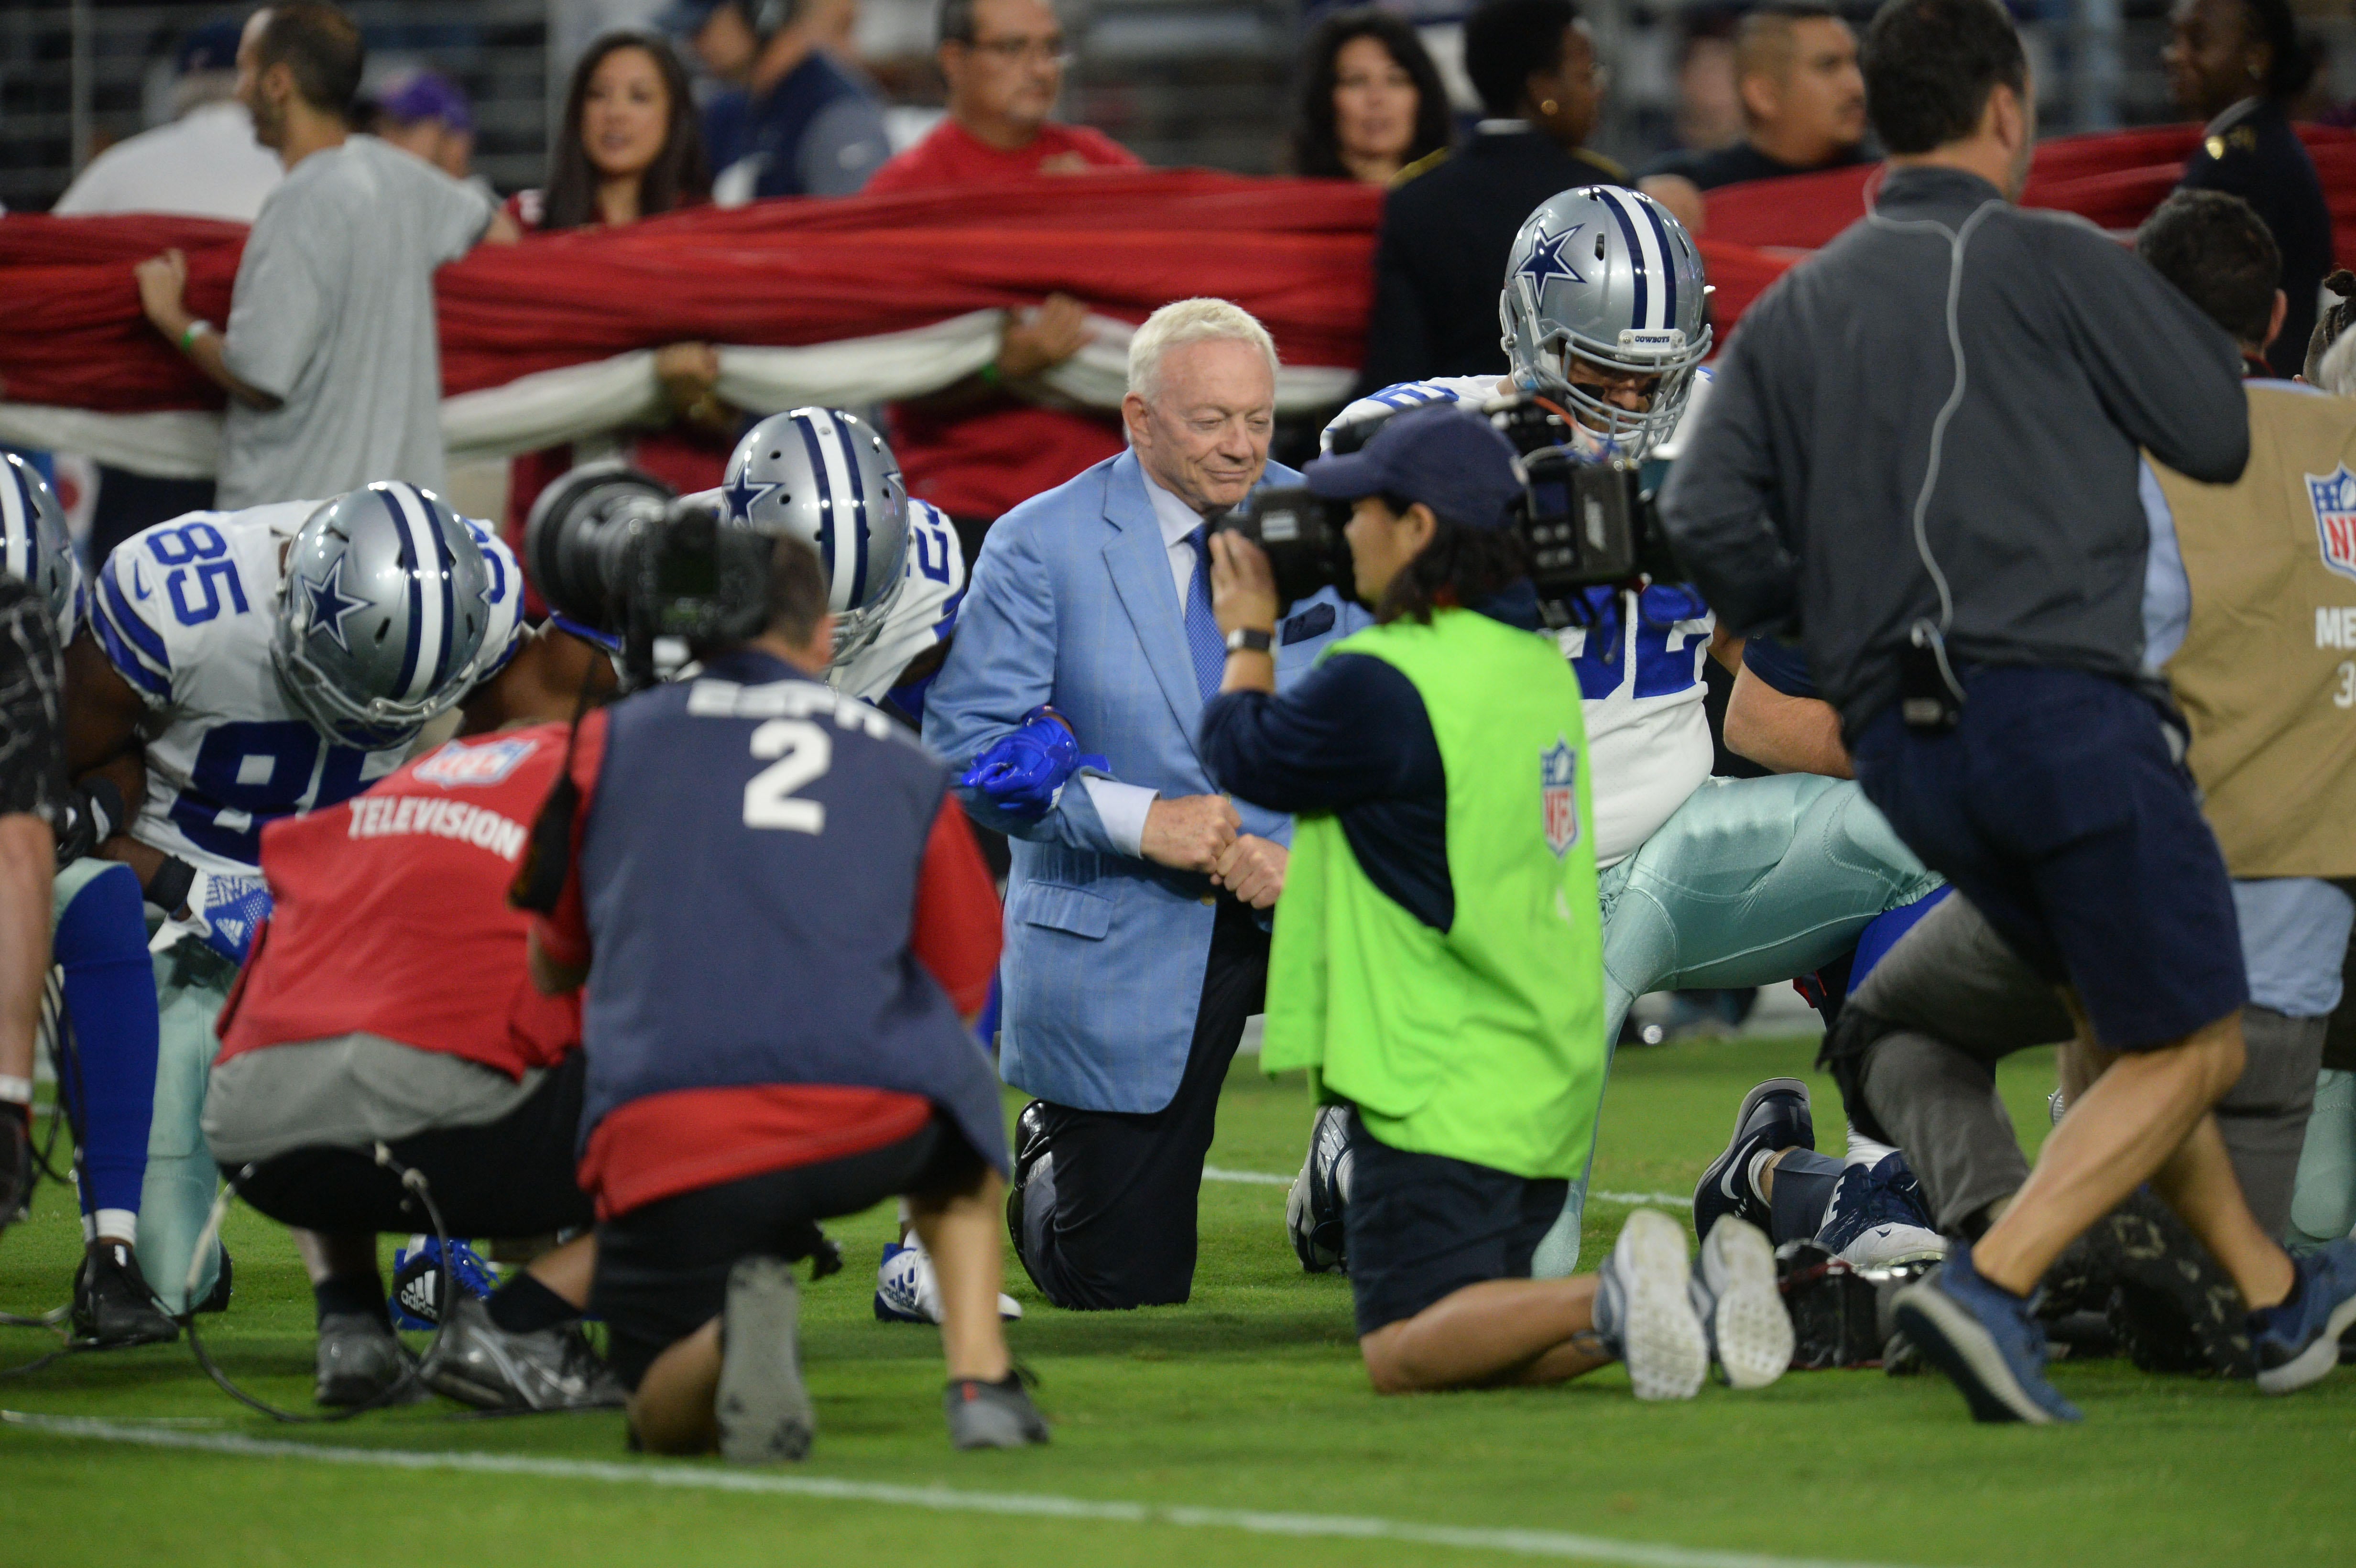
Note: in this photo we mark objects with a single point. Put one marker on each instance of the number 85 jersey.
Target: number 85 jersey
(184, 612)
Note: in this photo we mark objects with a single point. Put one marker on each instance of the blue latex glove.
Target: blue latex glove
(1021, 773)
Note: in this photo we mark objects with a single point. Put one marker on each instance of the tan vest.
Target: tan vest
(2267, 673)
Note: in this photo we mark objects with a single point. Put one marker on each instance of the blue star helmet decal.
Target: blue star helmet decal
(745, 492)
(1546, 261)
(330, 605)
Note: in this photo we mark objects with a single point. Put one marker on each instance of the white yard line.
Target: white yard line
(1544, 1544)
(1262, 1179)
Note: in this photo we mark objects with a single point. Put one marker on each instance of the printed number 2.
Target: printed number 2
(2345, 696)
(804, 752)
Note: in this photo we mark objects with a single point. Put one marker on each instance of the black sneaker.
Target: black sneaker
(15, 1165)
(992, 1415)
(360, 1359)
(2172, 1307)
(476, 1363)
(217, 1300)
(1773, 1116)
(1030, 1149)
(112, 1307)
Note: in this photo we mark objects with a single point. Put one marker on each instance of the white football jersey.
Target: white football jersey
(921, 614)
(1639, 661)
(185, 610)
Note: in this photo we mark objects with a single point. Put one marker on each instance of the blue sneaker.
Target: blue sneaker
(1878, 1218)
(1986, 1340)
(2298, 1341)
(1773, 1116)
(417, 1280)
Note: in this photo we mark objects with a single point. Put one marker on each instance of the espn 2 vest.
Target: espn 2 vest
(749, 869)
(1484, 1042)
(2267, 673)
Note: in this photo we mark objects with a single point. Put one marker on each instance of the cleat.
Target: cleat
(908, 1288)
(417, 1280)
(112, 1307)
(2298, 1341)
(476, 1363)
(1734, 1294)
(1986, 1340)
(1313, 1208)
(763, 1407)
(1643, 1311)
(1878, 1219)
(2172, 1309)
(360, 1362)
(1773, 1116)
(992, 1415)
(217, 1300)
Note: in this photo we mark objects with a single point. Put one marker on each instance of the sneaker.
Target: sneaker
(1030, 1151)
(764, 1409)
(1734, 1294)
(908, 1288)
(1313, 1208)
(417, 1279)
(112, 1307)
(16, 1164)
(359, 1360)
(1986, 1340)
(1643, 1313)
(1878, 1218)
(217, 1300)
(476, 1363)
(992, 1415)
(1773, 1116)
(2298, 1341)
(2171, 1305)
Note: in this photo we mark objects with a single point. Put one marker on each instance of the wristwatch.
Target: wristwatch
(1250, 640)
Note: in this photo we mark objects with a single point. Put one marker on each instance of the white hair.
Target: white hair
(1191, 321)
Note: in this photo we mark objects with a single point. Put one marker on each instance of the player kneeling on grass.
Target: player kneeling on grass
(773, 903)
(1437, 950)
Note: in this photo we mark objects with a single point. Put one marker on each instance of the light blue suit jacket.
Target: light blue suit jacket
(1071, 603)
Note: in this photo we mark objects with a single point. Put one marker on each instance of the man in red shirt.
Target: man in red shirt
(975, 449)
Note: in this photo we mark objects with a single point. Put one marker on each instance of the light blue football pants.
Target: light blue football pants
(1752, 882)
(2323, 1205)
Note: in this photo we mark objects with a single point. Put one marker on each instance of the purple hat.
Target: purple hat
(425, 95)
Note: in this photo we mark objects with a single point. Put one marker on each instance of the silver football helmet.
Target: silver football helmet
(1608, 276)
(382, 614)
(35, 544)
(827, 478)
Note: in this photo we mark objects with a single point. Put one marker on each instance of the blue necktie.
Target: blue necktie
(1204, 639)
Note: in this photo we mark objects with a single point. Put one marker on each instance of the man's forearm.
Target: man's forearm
(208, 352)
(28, 867)
(1783, 733)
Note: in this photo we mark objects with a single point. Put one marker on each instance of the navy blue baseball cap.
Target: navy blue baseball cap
(1442, 455)
(212, 46)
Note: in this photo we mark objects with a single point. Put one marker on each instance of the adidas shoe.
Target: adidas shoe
(1878, 1218)
(1986, 1340)
(1643, 1312)
(476, 1363)
(762, 1408)
(992, 1415)
(1742, 1311)
(417, 1279)
(2298, 1341)
(1773, 1116)
(908, 1288)
(1313, 1208)
(112, 1307)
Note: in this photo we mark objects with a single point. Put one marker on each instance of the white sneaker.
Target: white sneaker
(1734, 1293)
(907, 1290)
(1643, 1313)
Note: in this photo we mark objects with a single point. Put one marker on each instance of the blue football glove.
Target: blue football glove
(1020, 774)
(224, 911)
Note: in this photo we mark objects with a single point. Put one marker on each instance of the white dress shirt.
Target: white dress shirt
(1124, 805)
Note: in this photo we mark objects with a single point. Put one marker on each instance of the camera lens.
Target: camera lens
(576, 545)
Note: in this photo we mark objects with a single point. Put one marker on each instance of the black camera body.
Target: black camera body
(1584, 521)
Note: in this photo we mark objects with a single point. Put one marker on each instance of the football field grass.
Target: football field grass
(1237, 1429)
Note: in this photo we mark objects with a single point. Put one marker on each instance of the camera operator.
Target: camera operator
(1437, 960)
(783, 1046)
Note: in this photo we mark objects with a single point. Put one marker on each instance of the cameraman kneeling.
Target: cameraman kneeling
(1437, 950)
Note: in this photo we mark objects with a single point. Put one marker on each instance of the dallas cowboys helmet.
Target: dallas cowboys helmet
(1611, 277)
(34, 544)
(827, 478)
(382, 614)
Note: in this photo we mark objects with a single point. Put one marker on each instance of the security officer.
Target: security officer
(1437, 951)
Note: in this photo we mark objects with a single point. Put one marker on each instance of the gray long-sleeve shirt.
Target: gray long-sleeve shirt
(1794, 501)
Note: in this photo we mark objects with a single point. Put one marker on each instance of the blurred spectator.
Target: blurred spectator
(330, 358)
(207, 164)
(2238, 64)
(629, 149)
(1441, 257)
(1803, 99)
(1710, 109)
(804, 122)
(723, 37)
(975, 449)
(1371, 101)
(425, 114)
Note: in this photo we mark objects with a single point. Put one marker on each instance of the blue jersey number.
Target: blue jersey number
(254, 774)
(1664, 651)
(932, 552)
(197, 553)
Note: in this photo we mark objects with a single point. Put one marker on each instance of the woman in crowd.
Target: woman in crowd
(1371, 102)
(630, 149)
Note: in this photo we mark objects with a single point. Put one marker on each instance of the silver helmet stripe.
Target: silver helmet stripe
(18, 516)
(1645, 252)
(836, 517)
(429, 611)
(849, 457)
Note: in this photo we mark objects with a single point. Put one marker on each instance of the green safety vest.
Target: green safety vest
(1484, 1042)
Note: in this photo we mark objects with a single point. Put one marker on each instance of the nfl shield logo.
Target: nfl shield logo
(2333, 497)
(1558, 795)
(459, 763)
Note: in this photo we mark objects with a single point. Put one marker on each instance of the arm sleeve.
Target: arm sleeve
(279, 307)
(1781, 666)
(125, 614)
(956, 935)
(1351, 730)
(564, 935)
(843, 147)
(1719, 501)
(456, 214)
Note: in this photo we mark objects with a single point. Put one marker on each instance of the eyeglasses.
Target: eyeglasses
(1014, 51)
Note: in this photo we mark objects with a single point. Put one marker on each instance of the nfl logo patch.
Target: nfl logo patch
(1558, 795)
(2333, 495)
(459, 765)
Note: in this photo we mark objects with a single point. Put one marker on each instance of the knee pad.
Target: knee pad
(2323, 1205)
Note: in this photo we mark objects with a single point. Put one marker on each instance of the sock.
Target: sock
(524, 1306)
(122, 1225)
(101, 943)
(1804, 1190)
(1756, 1169)
(352, 1296)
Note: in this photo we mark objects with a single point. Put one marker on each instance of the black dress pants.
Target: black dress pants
(1109, 1216)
